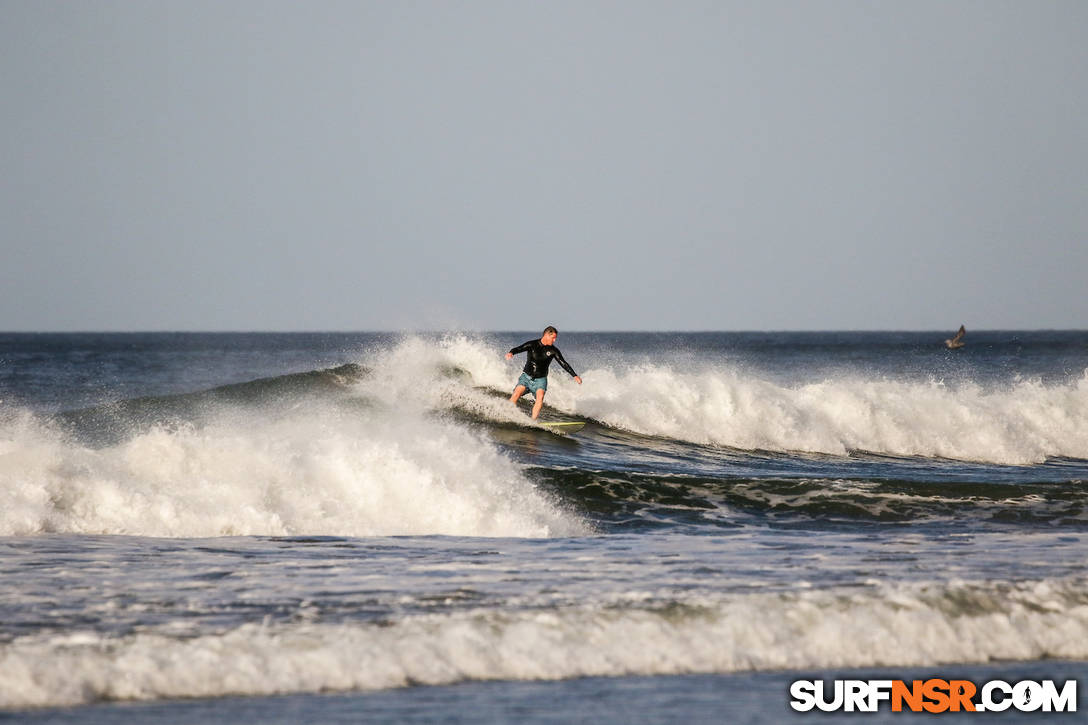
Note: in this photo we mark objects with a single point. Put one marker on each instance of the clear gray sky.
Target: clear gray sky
(374, 165)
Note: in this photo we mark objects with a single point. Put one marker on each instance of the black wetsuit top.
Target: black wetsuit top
(540, 357)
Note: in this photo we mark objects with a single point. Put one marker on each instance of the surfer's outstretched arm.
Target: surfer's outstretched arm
(520, 348)
(566, 366)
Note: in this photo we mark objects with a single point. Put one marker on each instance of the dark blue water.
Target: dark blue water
(262, 515)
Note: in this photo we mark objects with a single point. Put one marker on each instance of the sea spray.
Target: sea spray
(318, 469)
(1024, 423)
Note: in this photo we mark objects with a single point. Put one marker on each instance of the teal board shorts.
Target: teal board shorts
(533, 384)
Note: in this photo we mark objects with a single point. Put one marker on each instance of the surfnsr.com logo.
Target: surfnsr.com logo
(934, 696)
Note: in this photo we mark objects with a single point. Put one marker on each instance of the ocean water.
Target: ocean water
(336, 527)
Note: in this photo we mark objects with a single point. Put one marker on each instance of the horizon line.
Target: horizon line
(420, 331)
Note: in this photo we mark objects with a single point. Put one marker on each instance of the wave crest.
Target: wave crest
(314, 470)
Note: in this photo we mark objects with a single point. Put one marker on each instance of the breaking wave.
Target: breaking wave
(1021, 423)
(637, 634)
(380, 447)
(316, 469)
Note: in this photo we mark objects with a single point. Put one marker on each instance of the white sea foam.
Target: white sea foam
(311, 471)
(918, 625)
(1026, 422)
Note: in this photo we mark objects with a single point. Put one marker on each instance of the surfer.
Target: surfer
(534, 377)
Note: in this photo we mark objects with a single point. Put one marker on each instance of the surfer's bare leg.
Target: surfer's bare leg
(518, 392)
(539, 403)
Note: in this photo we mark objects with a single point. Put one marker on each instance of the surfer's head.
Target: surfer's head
(549, 335)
